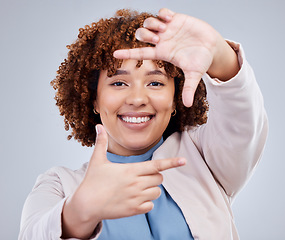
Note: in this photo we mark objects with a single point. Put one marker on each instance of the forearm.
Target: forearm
(236, 129)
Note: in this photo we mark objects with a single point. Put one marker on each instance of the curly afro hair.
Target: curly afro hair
(77, 76)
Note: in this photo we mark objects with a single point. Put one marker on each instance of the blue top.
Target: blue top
(165, 221)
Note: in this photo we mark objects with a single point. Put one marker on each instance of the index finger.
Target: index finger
(156, 166)
(144, 53)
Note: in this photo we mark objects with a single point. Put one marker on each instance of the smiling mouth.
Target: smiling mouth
(136, 120)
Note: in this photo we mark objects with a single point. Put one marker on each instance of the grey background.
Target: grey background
(34, 34)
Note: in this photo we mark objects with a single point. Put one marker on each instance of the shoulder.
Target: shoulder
(61, 177)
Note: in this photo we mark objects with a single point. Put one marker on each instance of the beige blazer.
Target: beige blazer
(221, 156)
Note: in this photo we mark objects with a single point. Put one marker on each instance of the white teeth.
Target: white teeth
(136, 120)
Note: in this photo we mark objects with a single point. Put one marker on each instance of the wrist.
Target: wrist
(76, 220)
(225, 63)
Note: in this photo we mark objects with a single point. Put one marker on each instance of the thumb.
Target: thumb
(192, 80)
(101, 145)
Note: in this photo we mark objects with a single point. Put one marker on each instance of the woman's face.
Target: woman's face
(135, 106)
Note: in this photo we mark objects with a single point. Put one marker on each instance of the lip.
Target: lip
(133, 125)
(136, 114)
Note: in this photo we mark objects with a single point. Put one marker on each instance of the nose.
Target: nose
(137, 97)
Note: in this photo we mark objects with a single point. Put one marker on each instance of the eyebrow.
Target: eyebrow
(153, 72)
(156, 72)
(121, 72)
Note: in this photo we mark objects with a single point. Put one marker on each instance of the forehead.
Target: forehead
(133, 63)
(143, 66)
(130, 67)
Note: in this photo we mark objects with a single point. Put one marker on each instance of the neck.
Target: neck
(121, 151)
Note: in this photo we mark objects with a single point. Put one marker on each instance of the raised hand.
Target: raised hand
(187, 42)
(112, 190)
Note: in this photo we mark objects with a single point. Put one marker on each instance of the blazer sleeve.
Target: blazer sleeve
(41, 215)
(233, 139)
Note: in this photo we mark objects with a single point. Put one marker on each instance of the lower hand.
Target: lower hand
(112, 190)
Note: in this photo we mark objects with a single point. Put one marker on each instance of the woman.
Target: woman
(152, 105)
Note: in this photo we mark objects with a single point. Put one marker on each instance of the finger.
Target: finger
(101, 144)
(154, 24)
(166, 14)
(146, 199)
(150, 194)
(145, 207)
(190, 85)
(150, 181)
(145, 53)
(156, 166)
(145, 35)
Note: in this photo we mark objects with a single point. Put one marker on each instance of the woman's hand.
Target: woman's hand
(187, 42)
(112, 190)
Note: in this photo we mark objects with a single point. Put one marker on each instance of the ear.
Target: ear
(173, 105)
(96, 110)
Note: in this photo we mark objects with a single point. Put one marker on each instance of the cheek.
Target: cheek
(164, 101)
(107, 102)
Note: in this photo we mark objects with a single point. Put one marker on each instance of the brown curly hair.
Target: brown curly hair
(77, 77)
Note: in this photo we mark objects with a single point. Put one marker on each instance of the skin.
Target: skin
(181, 40)
(144, 92)
(131, 189)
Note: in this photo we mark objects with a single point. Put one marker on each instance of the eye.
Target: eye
(156, 84)
(118, 84)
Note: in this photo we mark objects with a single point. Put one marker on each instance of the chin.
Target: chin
(139, 147)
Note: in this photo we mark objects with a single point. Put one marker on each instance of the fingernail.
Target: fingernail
(171, 12)
(168, 18)
(155, 39)
(115, 54)
(162, 27)
(137, 34)
(98, 130)
(182, 161)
